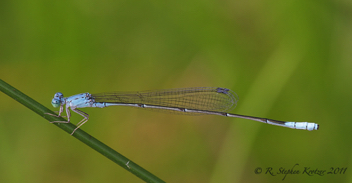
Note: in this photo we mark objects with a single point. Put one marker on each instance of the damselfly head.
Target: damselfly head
(56, 102)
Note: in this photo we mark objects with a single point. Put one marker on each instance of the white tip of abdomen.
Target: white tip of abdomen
(302, 125)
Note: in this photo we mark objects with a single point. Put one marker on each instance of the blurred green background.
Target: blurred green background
(287, 60)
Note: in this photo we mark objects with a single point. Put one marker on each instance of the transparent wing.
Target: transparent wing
(200, 98)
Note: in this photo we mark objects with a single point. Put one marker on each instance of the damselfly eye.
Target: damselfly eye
(55, 103)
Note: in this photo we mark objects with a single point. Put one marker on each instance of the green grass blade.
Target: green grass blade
(79, 134)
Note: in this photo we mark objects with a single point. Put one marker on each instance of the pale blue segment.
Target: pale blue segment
(302, 125)
(76, 101)
(297, 125)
